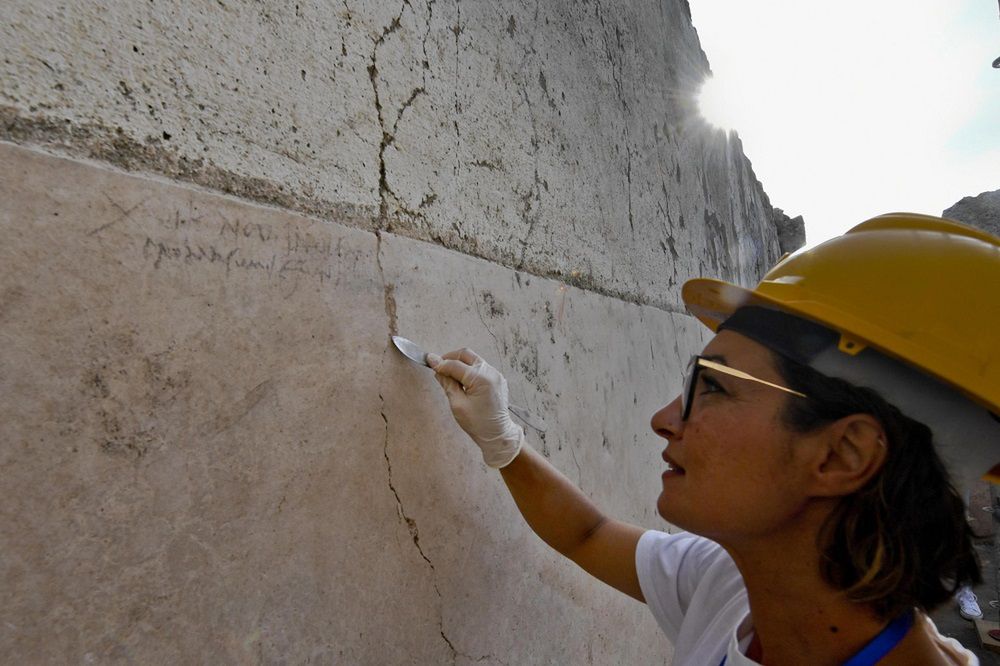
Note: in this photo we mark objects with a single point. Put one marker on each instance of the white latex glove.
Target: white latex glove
(477, 393)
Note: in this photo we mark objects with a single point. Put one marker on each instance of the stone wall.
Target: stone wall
(214, 218)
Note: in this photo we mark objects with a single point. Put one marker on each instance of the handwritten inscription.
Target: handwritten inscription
(294, 240)
(250, 247)
(238, 229)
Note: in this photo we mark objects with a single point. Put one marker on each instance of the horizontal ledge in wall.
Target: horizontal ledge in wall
(112, 147)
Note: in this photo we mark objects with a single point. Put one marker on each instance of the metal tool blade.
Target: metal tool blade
(410, 349)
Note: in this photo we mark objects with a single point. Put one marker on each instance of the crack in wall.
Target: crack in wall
(535, 192)
(496, 342)
(628, 180)
(388, 288)
(425, 64)
(411, 524)
(414, 530)
(619, 89)
(390, 307)
(456, 653)
(383, 187)
(579, 470)
(532, 195)
(389, 132)
(457, 30)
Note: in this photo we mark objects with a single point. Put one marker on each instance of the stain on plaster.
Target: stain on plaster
(123, 389)
(11, 299)
(236, 412)
(493, 307)
(524, 357)
(115, 440)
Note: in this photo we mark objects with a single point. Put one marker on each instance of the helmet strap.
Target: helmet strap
(965, 433)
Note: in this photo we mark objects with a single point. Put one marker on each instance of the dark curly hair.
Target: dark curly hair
(902, 540)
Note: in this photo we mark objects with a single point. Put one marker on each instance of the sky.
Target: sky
(850, 109)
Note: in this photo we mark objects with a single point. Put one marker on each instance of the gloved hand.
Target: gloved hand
(477, 393)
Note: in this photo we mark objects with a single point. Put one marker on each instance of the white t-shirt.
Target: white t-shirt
(697, 596)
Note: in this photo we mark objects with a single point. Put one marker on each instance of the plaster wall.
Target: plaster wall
(215, 215)
(211, 455)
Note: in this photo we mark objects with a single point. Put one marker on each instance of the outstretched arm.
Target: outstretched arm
(553, 507)
(568, 521)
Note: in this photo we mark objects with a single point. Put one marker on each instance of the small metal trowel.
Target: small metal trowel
(412, 351)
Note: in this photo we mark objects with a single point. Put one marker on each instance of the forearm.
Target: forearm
(551, 504)
(554, 508)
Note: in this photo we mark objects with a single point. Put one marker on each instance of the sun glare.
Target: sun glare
(716, 104)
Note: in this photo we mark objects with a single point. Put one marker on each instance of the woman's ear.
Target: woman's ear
(852, 452)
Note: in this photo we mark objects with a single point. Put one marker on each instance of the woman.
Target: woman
(813, 455)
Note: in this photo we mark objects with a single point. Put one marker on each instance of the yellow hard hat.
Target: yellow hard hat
(920, 289)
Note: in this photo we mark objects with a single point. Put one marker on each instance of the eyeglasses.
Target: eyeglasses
(691, 381)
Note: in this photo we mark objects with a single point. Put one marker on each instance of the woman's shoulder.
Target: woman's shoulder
(682, 543)
(955, 652)
(686, 556)
(924, 644)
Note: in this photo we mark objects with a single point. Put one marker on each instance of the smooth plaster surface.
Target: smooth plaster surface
(210, 452)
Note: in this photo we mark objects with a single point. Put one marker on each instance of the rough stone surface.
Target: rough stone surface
(791, 231)
(211, 454)
(982, 211)
(558, 138)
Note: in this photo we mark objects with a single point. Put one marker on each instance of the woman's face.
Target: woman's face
(738, 473)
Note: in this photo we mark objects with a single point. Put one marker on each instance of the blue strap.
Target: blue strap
(879, 646)
(882, 644)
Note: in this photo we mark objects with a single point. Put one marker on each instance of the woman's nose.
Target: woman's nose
(667, 421)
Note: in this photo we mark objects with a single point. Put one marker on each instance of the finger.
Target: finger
(456, 370)
(472, 373)
(465, 355)
(449, 385)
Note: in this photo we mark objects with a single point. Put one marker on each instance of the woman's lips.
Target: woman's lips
(673, 469)
(671, 472)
